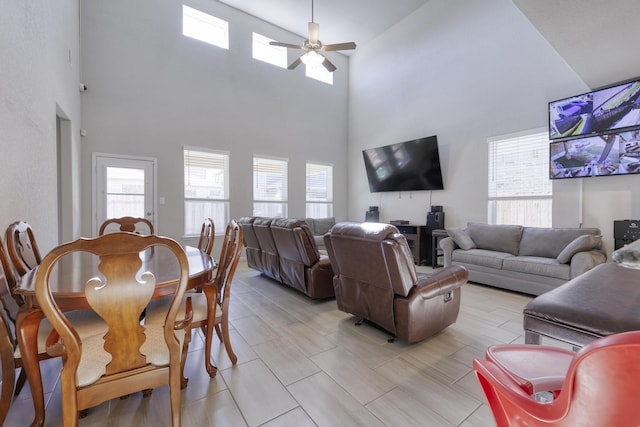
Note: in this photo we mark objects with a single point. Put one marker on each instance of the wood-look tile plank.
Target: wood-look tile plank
(287, 362)
(360, 381)
(306, 339)
(399, 408)
(294, 418)
(330, 405)
(217, 409)
(254, 330)
(258, 393)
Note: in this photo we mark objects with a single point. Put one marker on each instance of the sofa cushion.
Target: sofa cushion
(501, 238)
(580, 244)
(549, 242)
(481, 257)
(461, 238)
(539, 266)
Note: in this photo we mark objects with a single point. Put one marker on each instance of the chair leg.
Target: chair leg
(8, 379)
(212, 369)
(22, 378)
(183, 359)
(227, 342)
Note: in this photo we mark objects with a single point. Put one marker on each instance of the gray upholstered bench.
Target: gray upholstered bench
(603, 301)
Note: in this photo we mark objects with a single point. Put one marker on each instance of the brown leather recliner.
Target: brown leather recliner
(301, 265)
(376, 280)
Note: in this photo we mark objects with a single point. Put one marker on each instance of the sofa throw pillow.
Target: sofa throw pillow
(579, 244)
(461, 238)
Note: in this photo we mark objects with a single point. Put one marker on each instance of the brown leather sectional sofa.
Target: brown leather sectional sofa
(284, 249)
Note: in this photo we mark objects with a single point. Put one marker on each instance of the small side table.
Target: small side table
(436, 236)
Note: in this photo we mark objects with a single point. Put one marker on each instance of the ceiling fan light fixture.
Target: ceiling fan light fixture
(312, 59)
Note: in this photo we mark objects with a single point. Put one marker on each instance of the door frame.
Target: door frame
(119, 157)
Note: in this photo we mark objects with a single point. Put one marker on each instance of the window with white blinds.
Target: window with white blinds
(319, 190)
(270, 197)
(520, 191)
(206, 189)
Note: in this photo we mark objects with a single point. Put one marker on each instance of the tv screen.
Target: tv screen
(405, 166)
(601, 111)
(603, 155)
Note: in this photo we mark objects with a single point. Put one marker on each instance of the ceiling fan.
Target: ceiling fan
(312, 47)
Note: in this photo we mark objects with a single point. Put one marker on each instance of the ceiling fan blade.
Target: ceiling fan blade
(339, 46)
(314, 30)
(328, 65)
(294, 64)
(289, 45)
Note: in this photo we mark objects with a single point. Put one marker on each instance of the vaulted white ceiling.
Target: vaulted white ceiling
(597, 38)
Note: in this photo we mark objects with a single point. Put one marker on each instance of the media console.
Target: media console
(416, 238)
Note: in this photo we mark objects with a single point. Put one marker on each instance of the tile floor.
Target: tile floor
(304, 363)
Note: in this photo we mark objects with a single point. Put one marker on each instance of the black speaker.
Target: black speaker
(435, 220)
(372, 215)
(625, 232)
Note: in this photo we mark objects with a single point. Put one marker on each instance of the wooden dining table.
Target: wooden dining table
(67, 284)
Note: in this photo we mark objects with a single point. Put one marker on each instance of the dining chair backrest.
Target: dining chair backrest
(9, 299)
(10, 304)
(226, 268)
(8, 310)
(22, 247)
(131, 356)
(207, 236)
(127, 223)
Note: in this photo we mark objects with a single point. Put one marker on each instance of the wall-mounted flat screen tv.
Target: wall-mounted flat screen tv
(602, 155)
(613, 108)
(406, 166)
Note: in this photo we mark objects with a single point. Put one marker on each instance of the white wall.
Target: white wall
(39, 53)
(152, 90)
(466, 71)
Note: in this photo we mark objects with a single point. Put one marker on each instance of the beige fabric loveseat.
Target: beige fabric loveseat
(531, 260)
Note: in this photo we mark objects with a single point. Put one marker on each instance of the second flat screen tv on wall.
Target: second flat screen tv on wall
(406, 166)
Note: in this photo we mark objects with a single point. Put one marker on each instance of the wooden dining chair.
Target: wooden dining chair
(85, 323)
(211, 306)
(131, 356)
(127, 223)
(207, 235)
(22, 247)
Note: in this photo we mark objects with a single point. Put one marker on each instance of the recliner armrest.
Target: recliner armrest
(440, 282)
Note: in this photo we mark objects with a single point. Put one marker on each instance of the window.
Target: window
(519, 186)
(319, 190)
(206, 189)
(205, 27)
(263, 51)
(269, 187)
(318, 72)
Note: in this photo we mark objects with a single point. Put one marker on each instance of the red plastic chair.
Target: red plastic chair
(601, 388)
(535, 368)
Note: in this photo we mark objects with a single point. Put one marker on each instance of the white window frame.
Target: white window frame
(218, 203)
(205, 27)
(269, 198)
(519, 188)
(318, 72)
(323, 196)
(263, 51)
